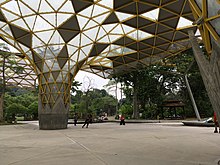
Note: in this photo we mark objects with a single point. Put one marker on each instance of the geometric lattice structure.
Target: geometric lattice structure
(140, 33)
(18, 72)
(207, 14)
(106, 36)
(103, 37)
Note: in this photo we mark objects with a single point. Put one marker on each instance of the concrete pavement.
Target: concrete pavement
(109, 144)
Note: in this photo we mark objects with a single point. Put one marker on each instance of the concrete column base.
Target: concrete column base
(53, 121)
(53, 116)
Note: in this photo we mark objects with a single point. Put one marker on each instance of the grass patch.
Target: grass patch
(20, 118)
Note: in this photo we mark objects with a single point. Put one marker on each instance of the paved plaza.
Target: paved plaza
(109, 144)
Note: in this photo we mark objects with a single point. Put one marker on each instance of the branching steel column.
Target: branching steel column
(190, 91)
(209, 71)
(192, 98)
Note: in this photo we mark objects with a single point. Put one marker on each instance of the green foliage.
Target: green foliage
(106, 103)
(126, 110)
(16, 108)
(152, 84)
(75, 86)
(165, 81)
(196, 83)
(77, 97)
(33, 110)
(72, 110)
(200, 95)
(22, 105)
(150, 111)
(93, 101)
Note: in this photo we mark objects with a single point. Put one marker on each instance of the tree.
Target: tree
(113, 83)
(88, 84)
(14, 109)
(126, 110)
(131, 80)
(146, 85)
(75, 86)
(5, 53)
(25, 104)
(97, 100)
(182, 63)
(33, 110)
(151, 85)
(101, 102)
(8, 65)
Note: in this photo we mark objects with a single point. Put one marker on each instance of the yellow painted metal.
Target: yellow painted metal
(206, 29)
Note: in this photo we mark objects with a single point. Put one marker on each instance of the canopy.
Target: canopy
(103, 37)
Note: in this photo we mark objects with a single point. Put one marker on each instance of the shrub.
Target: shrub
(126, 110)
(14, 109)
(33, 110)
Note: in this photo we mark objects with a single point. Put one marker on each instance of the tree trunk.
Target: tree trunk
(3, 91)
(1, 108)
(135, 100)
(87, 102)
(210, 72)
(116, 96)
(121, 90)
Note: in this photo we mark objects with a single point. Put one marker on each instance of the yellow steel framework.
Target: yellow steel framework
(207, 14)
(103, 37)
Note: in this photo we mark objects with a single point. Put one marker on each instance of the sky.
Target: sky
(97, 82)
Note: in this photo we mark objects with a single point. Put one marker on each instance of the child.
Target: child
(122, 118)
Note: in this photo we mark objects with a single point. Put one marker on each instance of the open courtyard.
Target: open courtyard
(109, 144)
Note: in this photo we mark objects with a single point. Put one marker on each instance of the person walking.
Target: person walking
(75, 118)
(87, 121)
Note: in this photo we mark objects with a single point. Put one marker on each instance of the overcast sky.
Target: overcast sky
(97, 82)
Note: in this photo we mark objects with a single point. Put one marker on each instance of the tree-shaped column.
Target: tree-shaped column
(50, 36)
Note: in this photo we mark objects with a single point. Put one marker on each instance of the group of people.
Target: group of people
(88, 120)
